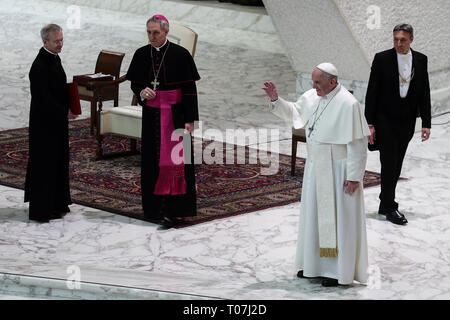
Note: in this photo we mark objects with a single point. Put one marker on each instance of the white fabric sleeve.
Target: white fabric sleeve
(292, 113)
(356, 159)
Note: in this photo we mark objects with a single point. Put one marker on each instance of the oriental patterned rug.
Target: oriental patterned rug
(113, 185)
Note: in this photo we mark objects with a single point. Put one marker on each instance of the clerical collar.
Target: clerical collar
(55, 54)
(159, 48)
(333, 92)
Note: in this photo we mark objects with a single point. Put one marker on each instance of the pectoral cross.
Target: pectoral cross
(154, 83)
(410, 77)
(310, 131)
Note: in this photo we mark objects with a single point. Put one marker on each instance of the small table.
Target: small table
(87, 92)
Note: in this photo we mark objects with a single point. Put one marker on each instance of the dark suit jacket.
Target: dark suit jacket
(383, 99)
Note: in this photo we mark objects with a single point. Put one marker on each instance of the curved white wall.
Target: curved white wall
(348, 33)
(313, 31)
(430, 19)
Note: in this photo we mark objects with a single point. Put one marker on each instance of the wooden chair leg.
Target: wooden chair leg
(93, 116)
(293, 155)
(99, 152)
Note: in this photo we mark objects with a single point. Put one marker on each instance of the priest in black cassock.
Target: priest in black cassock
(163, 76)
(47, 177)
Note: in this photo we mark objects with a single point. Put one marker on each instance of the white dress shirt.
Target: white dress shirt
(404, 69)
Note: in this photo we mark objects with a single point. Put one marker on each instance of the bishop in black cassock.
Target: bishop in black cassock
(47, 177)
(167, 70)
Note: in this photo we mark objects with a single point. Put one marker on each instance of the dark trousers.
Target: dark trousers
(393, 140)
(392, 154)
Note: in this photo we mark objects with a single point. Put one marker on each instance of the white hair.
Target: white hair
(329, 76)
(45, 31)
(163, 23)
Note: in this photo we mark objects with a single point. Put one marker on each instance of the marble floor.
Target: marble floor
(244, 257)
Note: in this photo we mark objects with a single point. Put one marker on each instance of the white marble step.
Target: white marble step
(38, 280)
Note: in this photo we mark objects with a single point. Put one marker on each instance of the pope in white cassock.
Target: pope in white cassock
(332, 240)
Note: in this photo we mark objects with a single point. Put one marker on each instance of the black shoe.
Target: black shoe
(396, 217)
(300, 274)
(153, 220)
(167, 223)
(329, 282)
(382, 210)
(383, 213)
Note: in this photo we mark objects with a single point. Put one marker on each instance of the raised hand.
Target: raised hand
(271, 90)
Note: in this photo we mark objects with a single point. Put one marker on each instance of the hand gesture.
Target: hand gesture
(425, 134)
(148, 94)
(71, 116)
(188, 127)
(271, 90)
(372, 136)
(350, 186)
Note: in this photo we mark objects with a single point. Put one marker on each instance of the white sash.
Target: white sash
(321, 157)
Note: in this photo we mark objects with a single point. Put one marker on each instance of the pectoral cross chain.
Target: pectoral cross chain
(154, 83)
(316, 118)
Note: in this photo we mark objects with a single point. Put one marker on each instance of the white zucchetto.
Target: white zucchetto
(328, 68)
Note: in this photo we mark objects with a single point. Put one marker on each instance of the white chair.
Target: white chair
(183, 36)
(126, 121)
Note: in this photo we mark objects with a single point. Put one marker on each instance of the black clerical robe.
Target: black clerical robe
(47, 177)
(175, 70)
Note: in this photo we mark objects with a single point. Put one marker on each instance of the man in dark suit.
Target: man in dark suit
(47, 178)
(398, 92)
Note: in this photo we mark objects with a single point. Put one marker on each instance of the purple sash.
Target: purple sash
(171, 161)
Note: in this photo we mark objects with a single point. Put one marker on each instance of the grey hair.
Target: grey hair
(45, 31)
(329, 76)
(163, 23)
(405, 27)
